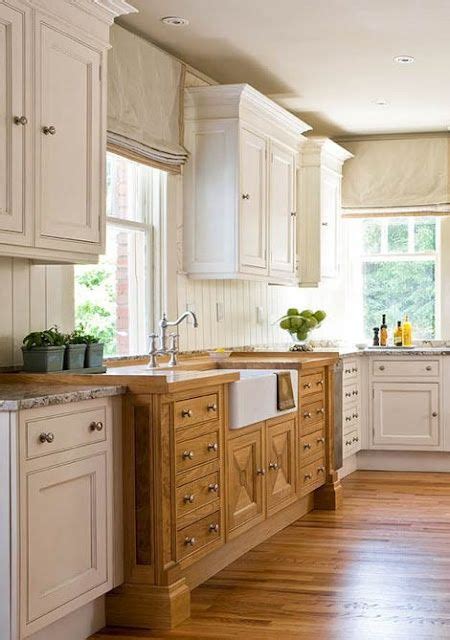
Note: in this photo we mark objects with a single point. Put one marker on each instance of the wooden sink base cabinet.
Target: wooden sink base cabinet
(198, 495)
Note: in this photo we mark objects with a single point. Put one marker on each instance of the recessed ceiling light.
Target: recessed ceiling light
(381, 102)
(175, 21)
(404, 59)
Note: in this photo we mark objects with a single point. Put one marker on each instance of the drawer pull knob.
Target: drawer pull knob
(434, 414)
(308, 476)
(213, 487)
(348, 443)
(49, 130)
(46, 437)
(307, 446)
(186, 413)
(212, 407)
(321, 470)
(382, 367)
(356, 415)
(348, 371)
(355, 370)
(214, 527)
(96, 426)
(355, 393)
(213, 446)
(348, 394)
(273, 466)
(321, 411)
(245, 196)
(321, 440)
(356, 439)
(260, 472)
(307, 414)
(320, 383)
(307, 385)
(188, 455)
(189, 499)
(20, 120)
(190, 541)
(348, 419)
(428, 368)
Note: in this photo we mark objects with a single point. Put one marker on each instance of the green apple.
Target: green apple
(307, 313)
(320, 315)
(292, 312)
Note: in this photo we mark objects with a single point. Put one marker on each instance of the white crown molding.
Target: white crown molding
(104, 10)
(325, 146)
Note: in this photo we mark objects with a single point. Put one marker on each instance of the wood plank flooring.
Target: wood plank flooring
(377, 569)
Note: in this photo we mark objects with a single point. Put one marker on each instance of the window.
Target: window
(114, 300)
(398, 271)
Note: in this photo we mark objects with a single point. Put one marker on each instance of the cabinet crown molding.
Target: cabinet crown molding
(234, 100)
(104, 10)
(320, 147)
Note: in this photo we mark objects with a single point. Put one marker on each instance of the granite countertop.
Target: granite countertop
(18, 396)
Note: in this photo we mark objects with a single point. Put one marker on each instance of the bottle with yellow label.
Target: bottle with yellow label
(383, 332)
(398, 335)
(407, 332)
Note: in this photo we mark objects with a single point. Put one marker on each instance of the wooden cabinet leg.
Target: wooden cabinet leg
(329, 496)
(148, 607)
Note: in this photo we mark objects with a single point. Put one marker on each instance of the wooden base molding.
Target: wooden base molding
(329, 497)
(149, 607)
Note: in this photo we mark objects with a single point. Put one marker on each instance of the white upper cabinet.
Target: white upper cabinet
(239, 185)
(319, 206)
(53, 127)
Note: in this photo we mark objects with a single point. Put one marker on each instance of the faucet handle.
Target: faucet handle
(173, 337)
(153, 337)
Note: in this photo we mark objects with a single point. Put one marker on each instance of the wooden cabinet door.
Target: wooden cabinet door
(280, 464)
(253, 204)
(282, 226)
(64, 517)
(15, 122)
(245, 489)
(69, 140)
(329, 230)
(406, 415)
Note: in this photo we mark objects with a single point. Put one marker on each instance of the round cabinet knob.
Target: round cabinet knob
(213, 446)
(186, 413)
(51, 130)
(96, 426)
(46, 437)
(348, 394)
(214, 527)
(348, 419)
(273, 466)
(20, 120)
(382, 367)
(428, 368)
(321, 411)
(307, 476)
(188, 455)
(293, 214)
(434, 414)
(320, 383)
(189, 498)
(245, 196)
(321, 440)
(356, 439)
(321, 470)
(212, 407)
(260, 472)
(213, 487)
(189, 542)
(307, 385)
(354, 370)
(356, 415)
(355, 393)
(307, 414)
(348, 443)
(307, 446)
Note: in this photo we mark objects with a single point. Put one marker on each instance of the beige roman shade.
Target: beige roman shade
(397, 175)
(145, 89)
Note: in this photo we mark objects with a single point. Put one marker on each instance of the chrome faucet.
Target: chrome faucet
(162, 349)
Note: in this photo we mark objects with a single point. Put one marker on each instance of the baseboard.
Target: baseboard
(437, 461)
(78, 625)
(349, 466)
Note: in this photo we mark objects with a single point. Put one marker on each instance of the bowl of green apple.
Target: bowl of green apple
(299, 324)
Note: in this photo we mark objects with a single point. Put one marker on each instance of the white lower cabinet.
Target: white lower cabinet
(351, 407)
(406, 415)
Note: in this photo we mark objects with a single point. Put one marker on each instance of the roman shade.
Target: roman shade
(397, 175)
(145, 90)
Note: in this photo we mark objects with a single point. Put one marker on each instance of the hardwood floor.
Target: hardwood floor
(377, 569)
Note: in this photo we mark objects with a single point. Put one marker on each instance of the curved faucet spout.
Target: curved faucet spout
(163, 349)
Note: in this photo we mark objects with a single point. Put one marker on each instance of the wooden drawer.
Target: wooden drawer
(196, 410)
(66, 430)
(195, 494)
(312, 476)
(199, 536)
(312, 383)
(350, 369)
(351, 392)
(406, 368)
(203, 448)
(352, 417)
(312, 417)
(352, 443)
(312, 446)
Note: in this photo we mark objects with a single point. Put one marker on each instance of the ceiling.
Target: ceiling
(328, 61)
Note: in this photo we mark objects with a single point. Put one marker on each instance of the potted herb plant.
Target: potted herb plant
(94, 351)
(43, 350)
(75, 350)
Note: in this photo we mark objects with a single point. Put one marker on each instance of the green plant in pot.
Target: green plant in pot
(43, 351)
(75, 354)
(94, 351)
(299, 325)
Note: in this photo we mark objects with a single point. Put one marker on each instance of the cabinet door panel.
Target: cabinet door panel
(253, 206)
(245, 488)
(69, 160)
(65, 527)
(330, 215)
(282, 223)
(13, 137)
(280, 465)
(406, 415)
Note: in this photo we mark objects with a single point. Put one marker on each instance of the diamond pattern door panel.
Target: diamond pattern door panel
(280, 464)
(245, 481)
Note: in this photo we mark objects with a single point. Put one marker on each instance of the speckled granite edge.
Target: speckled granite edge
(30, 400)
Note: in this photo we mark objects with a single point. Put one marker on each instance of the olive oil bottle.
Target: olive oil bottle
(398, 335)
(383, 332)
(407, 333)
